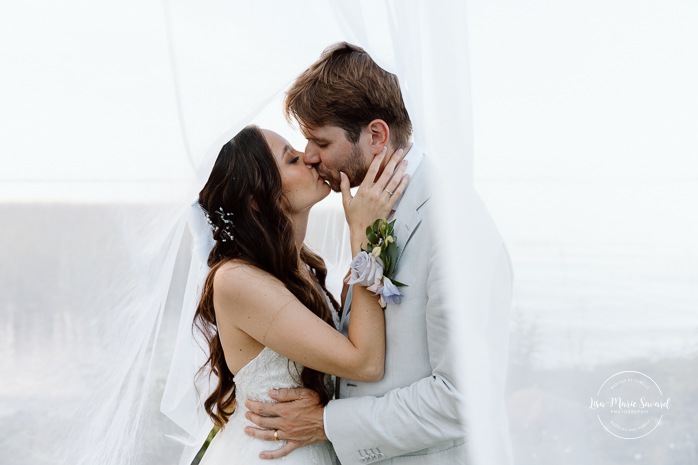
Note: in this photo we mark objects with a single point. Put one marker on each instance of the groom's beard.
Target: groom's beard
(354, 168)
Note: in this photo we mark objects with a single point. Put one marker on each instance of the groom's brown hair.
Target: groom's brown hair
(346, 88)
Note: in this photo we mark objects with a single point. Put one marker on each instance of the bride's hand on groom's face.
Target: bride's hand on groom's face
(297, 418)
(376, 199)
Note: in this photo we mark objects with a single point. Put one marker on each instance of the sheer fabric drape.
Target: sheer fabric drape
(143, 95)
(112, 115)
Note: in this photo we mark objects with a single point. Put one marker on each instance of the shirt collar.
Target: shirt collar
(414, 158)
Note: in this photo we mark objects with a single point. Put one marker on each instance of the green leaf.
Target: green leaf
(370, 235)
(398, 283)
(391, 257)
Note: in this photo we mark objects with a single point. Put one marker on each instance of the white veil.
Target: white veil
(397, 36)
(112, 116)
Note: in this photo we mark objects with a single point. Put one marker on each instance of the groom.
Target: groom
(349, 109)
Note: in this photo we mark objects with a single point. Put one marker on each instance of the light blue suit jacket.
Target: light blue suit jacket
(412, 415)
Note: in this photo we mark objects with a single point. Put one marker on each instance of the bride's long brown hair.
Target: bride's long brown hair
(246, 182)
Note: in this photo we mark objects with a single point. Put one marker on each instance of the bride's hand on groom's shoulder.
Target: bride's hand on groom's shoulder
(296, 418)
(374, 200)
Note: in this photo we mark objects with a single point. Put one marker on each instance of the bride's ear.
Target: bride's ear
(380, 135)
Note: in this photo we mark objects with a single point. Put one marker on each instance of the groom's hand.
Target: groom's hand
(297, 418)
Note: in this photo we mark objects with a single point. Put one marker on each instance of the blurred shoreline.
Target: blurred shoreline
(581, 312)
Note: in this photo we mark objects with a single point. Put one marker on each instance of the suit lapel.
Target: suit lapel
(407, 219)
(404, 230)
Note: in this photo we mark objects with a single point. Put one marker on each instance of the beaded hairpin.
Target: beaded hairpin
(227, 229)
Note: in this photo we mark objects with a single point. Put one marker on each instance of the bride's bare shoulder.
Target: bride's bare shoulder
(241, 289)
(240, 276)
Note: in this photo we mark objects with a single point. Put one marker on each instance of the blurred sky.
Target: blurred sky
(586, 118)
(584, 111)
(591, 89)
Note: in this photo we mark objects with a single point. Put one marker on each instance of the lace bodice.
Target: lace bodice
(265, 372)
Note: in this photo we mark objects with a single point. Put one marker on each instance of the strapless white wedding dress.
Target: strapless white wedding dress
(231, 446)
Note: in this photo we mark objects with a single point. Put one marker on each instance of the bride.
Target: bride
(264, 309)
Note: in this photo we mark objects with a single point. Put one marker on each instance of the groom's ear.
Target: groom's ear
(380, 135)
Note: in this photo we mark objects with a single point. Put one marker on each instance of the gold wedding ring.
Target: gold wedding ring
(276, 435)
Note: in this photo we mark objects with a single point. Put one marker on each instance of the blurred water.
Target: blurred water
(60, 338)
(605, 268)
(585, 305)
(579, 305)
(606, 280)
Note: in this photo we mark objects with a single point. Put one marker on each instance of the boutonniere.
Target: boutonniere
(374, 267)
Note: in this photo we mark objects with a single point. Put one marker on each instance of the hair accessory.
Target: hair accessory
(224, 231)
